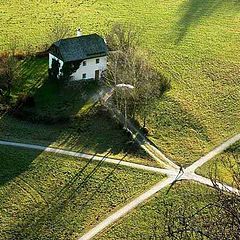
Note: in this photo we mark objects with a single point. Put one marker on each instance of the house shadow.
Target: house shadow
(53, 114)
(64, 117)
(196, 10)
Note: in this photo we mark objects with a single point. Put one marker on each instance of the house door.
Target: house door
(97, 75)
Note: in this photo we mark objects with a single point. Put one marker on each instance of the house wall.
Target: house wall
(90, 68)
(51, 57)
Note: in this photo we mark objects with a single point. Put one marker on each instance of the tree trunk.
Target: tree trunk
(144, 121)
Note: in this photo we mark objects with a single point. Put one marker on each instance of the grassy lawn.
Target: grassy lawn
(193, 42)
(148, 220)
(47, 196)
(53, 100)
(63, 117)
(95, 133)
(224, 165)
(32, 73)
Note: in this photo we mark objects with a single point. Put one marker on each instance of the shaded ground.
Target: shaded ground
(55, 197)
(196, 11)
(53, 100)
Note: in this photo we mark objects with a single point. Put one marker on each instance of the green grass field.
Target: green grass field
(47, 196)
(148, 221)
(224, 166)
(95, 133)
(65, 117)
(32, 73)
(194, 43)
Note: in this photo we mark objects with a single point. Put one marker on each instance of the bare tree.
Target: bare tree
(128, 64)
(123, 37)
(219, 219)
(8, 74)
(58, 31)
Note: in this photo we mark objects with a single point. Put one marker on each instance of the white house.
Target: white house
(86, 54)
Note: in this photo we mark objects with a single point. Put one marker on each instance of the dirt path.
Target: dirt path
(87, 156)
(213, 153)
(174, 174)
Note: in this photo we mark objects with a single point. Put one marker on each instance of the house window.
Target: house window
(97, 60)
(84, 76)
(84, 63)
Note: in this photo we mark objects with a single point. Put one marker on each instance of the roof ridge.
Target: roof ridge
(75, 37)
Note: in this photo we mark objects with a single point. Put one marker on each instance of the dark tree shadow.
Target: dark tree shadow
(195, 10)
(175, 116)
(66, 115)
(10, 167)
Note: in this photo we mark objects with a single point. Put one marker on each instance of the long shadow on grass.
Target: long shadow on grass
(177, 118)
(59, 115)
(40, 224)
(195, 10)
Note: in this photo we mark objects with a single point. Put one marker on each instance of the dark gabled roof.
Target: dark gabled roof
(79, 48)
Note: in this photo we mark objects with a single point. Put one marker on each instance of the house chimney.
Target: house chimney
(79, 32)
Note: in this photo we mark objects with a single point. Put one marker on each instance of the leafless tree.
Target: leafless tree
(219, 219)
(58, 31)
(123, 37)
(129, 64)
(8, 74)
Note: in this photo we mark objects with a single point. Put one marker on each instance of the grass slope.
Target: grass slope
(148, 220)
(193, 42)
(224, 165)
(95, 133)
(67, 118)
(47, 196)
